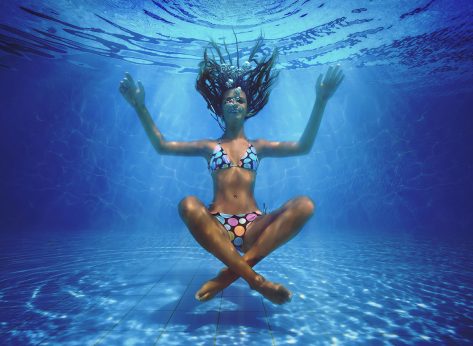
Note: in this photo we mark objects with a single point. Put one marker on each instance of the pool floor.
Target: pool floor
(138, 288)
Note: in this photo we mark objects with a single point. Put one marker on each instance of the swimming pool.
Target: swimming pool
(138, 289)
(92, 247)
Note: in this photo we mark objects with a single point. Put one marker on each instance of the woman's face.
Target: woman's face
(234, 104)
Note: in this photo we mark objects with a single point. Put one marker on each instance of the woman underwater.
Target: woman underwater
(233, 222)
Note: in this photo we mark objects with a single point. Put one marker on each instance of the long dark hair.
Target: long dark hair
(213, 79)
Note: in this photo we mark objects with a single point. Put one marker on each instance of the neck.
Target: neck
(234, 132)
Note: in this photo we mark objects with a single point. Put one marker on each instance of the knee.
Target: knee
(188, 205)
(305, 206)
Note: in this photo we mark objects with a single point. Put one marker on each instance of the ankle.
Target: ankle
(227, 275)
(252, 261)
(257, 282)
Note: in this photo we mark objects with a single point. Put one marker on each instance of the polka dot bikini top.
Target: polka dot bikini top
(220, 159)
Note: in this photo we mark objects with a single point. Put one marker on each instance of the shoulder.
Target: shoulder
(265, 148)
(201, 147)
(207, 145)
(260, 145)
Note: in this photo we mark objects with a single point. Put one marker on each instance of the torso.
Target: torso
(233, 186)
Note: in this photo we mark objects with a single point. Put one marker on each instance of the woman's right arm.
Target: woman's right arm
(135, 95)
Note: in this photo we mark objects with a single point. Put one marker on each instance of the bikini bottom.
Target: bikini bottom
(236, 225)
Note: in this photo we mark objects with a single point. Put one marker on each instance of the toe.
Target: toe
(199, 295)
(203, 297)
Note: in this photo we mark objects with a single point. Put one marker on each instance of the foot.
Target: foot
(215, 285)
(276, 293)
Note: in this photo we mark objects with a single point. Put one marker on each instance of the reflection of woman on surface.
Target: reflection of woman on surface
(233, 220)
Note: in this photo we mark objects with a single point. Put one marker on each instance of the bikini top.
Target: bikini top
(220, 159)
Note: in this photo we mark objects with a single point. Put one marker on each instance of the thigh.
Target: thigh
(193, 212)
(256, 228)
(222, 223)
(295, 210)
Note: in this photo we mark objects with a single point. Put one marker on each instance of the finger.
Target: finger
(336, 70)
(330, 72)
(122, 90)
(339, 81)
(130, 78)
(328, 75)
(140, 87)
(124, 85)
(338, 75)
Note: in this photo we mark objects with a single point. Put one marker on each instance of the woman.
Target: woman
(233, 222)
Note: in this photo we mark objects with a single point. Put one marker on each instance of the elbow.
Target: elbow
(303, 149)
(160, 148)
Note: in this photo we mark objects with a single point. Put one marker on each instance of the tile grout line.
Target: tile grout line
(267, 321)
(218, 320)
(175, 309)
(48, 337)
(101, 338)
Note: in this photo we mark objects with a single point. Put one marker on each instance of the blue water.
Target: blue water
(92, 250)
(130, 289)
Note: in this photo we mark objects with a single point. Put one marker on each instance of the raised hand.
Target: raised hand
(327, 86)
(134, 94)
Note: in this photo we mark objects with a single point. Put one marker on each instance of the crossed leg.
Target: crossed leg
(264, 235)
(211, 236)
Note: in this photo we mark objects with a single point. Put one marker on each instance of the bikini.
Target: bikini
(221, 160)
(234, 224)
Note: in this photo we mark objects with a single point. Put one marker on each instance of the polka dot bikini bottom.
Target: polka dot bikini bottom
(236, 225)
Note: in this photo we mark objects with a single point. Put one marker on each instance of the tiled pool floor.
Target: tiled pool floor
(139, 290)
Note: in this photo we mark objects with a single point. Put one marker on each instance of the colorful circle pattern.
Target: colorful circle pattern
(220, 159)
(236, 224)
(249, 159)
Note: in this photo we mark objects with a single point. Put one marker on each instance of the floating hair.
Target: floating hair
(215, 78)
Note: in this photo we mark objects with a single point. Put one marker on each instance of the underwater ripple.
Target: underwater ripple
(434, 37)
(346, 291)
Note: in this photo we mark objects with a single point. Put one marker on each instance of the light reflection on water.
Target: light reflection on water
(99, 290)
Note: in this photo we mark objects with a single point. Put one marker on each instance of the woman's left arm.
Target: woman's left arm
(325, 88)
